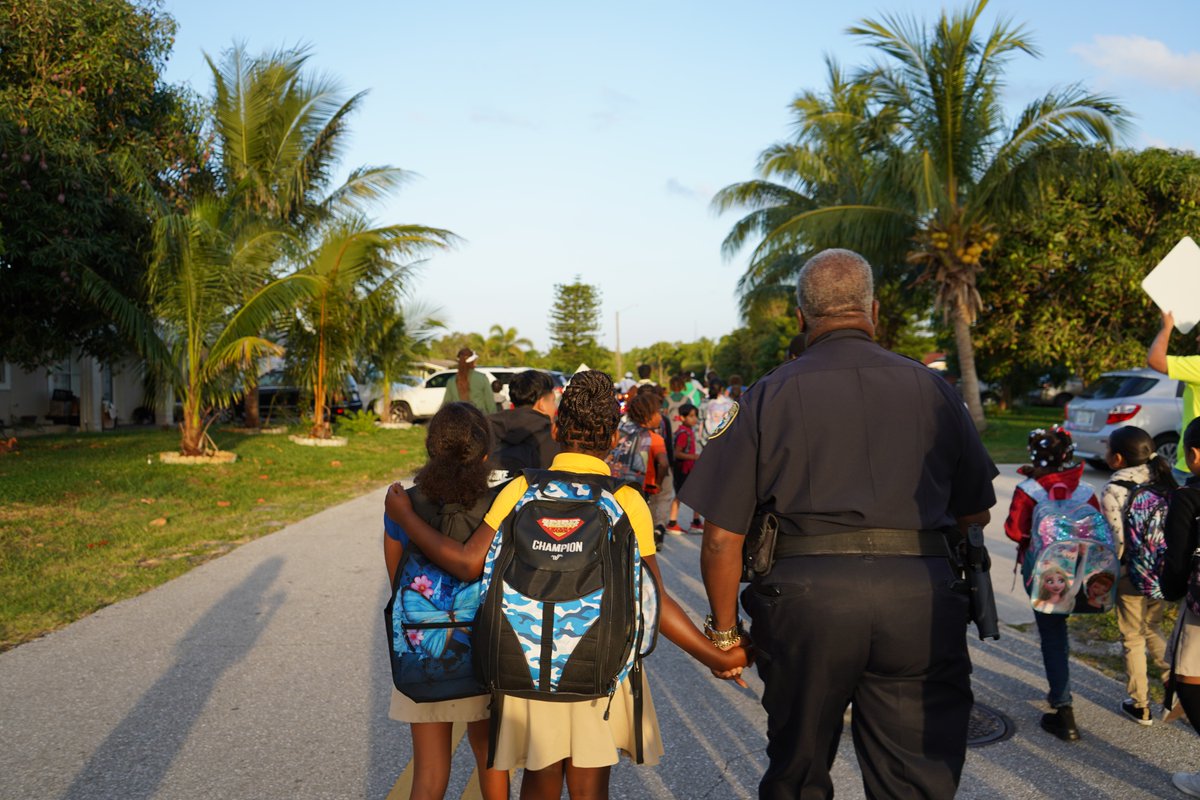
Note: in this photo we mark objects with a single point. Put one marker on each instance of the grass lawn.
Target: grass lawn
(1008, 431)
(90, 519)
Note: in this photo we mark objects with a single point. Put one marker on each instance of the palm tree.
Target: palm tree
(280, 132)
(391, 337)
(842, 143)
(208, 305)
(506, 343)
(954, 170)
(357, 269)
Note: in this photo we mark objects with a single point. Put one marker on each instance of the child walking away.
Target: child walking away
(640, 453)
(1180, 578)
(1051, 467)
(1134, 502)
(430, 612)
(685, 458)
(550, 535)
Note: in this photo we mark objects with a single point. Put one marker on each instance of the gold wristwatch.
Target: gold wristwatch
(723, 639)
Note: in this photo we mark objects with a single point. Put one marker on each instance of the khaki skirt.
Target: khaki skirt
(467, 709)
(536, 733)
(1183, 651)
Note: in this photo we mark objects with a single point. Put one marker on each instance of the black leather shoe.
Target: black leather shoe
(1061, 722)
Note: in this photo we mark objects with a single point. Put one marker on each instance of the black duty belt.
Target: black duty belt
(864, 542)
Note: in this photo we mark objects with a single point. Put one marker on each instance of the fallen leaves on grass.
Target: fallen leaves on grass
(147, 500)
(335, 463)
(159, 522)
(223, 504)
(261, 500)
(92, 545)
(264, 477)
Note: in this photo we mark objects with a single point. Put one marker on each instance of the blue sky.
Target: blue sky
(567, 139)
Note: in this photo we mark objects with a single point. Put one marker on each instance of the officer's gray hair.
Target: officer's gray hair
(835, 282)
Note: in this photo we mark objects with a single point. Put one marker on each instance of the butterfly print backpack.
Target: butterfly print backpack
(430, 613)
(569, 609)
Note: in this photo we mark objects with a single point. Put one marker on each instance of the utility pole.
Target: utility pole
(620, 370)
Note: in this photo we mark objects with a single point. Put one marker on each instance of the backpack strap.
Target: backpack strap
(1034, 489)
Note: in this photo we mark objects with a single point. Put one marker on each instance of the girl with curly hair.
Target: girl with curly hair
(575, 743)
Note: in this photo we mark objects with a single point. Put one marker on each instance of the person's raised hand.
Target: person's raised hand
(1168, 320)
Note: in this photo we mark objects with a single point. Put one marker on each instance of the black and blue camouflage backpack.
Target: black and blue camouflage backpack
(430, 612)
(569, 609)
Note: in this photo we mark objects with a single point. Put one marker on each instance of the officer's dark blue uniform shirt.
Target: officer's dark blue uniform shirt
(849, 435)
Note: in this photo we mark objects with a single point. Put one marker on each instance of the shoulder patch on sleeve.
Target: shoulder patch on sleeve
(726, 423)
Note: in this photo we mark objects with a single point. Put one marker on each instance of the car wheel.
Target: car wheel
(401, 412)
(1167, 446)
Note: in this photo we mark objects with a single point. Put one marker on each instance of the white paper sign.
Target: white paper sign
(1174, 285)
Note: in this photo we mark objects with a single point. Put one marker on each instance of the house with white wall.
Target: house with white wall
(82, 392)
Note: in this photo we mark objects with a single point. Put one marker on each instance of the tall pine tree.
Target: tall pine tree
(575, 327)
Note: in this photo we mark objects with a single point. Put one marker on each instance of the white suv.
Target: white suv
(423, 401)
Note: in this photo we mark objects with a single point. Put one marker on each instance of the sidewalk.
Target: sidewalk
(263, 674)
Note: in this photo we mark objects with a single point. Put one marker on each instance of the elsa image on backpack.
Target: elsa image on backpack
(430, 612)
(1134, 502)
(572, 603)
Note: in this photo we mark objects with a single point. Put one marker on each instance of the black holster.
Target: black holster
(975, 565)
(758, 550)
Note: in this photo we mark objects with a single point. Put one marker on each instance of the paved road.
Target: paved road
(263, 675)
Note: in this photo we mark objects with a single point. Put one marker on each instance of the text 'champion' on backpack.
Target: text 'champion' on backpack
(569, 609)
(430, 613)
(1071, 565)
(630, 459)
(1144, 514)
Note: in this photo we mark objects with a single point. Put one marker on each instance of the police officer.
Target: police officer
(867, 462)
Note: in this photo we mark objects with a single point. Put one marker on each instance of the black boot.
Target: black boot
(1061, 722)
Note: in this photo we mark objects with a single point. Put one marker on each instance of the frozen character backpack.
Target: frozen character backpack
(430, 613)
(569, 609)
(1145, 545)
(1071, 564)
(630, 459)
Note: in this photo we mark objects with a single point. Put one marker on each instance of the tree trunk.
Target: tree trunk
(250, 405)
(968, 379)
(192, 431)
(385, 406)
(320, 426)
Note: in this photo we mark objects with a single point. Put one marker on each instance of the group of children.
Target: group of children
(573, 742)
(1157, 567)
(680, 420)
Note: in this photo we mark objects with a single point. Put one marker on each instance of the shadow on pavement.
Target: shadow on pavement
(133, 760)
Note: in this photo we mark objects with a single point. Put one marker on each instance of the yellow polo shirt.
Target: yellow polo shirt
(627, 497)
(1186, 369)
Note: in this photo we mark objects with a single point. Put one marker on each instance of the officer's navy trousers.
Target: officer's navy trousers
(889, 635)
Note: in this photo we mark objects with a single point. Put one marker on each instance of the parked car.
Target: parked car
(370, 389)
(278, 398)
(422, 402)
(1051, 392)
(1142, 397)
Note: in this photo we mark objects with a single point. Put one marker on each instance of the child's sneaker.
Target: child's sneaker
(696, 527)
(1187, 782)
(659, 530)
(1139, 715)
(675, 530)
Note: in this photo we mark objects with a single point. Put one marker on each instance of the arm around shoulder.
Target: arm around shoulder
(463, 560)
